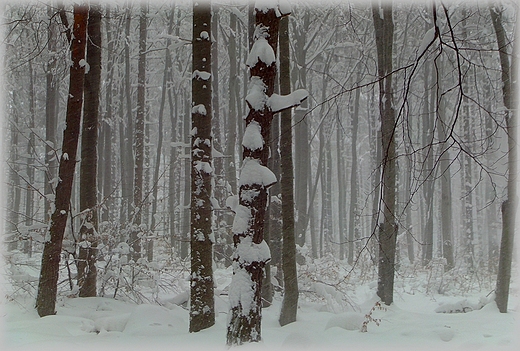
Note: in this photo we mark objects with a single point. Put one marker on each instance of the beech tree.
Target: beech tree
(384, 31)
(251, 251)
(202, 311)
(509, 84)
(47, 286)
(88, 167)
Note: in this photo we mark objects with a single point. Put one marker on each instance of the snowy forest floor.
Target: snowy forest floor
(331, 315)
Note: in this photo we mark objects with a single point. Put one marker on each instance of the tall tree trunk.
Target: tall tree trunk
(384, 31)
(231, 174)
(127, 131)
(50, 115)
(446, 190)
(106, 126)
(155, 181)
(251, 251)
(87, 272)
(427, 170)
(290, 277)
(353, 226)
(48, 283)
(509, 91)
(139, 136)
(202, 310)
(29, 197)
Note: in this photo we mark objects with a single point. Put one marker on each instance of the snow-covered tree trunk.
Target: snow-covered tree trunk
(48, 283)
(251, 251)
(202, 312)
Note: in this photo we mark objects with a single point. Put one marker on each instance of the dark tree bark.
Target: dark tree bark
(202, 310)
(509, 206)
(87, 272)
(139, 141)
(384, 31)
(47, 286)
(251, 251)
(290, 277)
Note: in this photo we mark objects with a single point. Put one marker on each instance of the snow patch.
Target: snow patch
(202, 75)
(256, 97)
(253, 172)
(252, 138)
(261, 51)
(199, 109)
(278, 103)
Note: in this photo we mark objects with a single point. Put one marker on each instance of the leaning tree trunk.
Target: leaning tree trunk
(88, 167)
(509, 206)
(251, 251)
(384, 31)
(202, 311)
(48, 284)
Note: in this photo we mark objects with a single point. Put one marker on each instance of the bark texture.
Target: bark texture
(88, 167)
(47, 286)
(202, 311)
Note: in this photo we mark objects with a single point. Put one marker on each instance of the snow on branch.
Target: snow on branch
(261, 50)
(256, 97)
(279, 103)
(254, 173)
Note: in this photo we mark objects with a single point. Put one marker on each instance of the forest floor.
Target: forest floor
(414, 322)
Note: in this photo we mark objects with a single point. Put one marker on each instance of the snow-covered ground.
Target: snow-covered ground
(411, 323)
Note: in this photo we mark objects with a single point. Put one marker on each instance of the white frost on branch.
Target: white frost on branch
(202, 75)
(252, 138)
(256, 97)
(261, 51)
(279, 103)
(253, 172)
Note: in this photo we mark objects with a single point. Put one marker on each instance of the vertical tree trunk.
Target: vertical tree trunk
(29, 197)
(127, 131)
(446, 190)
(290, 277)
(155, 181)
(384, 31)
(202, 311)
(427, 170)
(50, 115)
(47, 287)
(139, 136)
(87, 273)
(232, 118)
(353, 219)
(106, 126)
(509, 91)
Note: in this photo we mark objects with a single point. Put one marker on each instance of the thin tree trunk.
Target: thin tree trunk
(48, 283)
(139, 136)
(353, 226)
(290, 277)
(29, 197)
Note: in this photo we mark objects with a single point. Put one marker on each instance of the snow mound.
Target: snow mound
(150, 320)
(347, 321)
